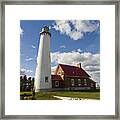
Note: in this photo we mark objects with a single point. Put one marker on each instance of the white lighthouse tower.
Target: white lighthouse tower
(43, 68)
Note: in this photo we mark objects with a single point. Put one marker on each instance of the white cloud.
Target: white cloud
(73, 57)
(95, 76)
(79, 50)
(92, 68)
(29, 59)
(63, 26)
(75, 35)
(49, 27)
(62, 46)
(24, 71)
(33, 46)
(90, 62)
(75, 29)
(85, 25)
(53, 69)
(21, 31)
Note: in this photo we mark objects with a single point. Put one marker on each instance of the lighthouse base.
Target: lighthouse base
(43, 90)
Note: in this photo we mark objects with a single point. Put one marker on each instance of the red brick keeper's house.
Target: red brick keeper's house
(68, 77)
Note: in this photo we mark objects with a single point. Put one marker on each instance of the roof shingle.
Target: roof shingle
(74, 71)
(56, 77)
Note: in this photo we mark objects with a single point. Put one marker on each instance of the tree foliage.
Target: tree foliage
(26, 84)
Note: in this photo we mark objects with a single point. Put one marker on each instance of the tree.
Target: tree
(26, 84)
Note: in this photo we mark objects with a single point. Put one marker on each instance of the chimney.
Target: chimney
(79, 65)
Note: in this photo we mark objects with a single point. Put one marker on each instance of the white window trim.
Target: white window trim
(85, 84)
(72, 82)
(62, 72)
(85, 81)
(92, 85)
(57, 85)
(79, 82)
(47, 79)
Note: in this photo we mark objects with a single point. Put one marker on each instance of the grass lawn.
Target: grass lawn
(45, 96)
(24, 92)
(73, 94)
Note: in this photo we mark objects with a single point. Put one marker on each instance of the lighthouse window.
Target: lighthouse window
(46, 79)
(56, 83)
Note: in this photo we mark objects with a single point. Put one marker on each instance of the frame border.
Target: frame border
(55, 2)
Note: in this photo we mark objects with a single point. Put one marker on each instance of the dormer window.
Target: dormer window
(62, 72)
(59, 73)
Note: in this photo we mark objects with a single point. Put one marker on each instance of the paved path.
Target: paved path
(69, 98)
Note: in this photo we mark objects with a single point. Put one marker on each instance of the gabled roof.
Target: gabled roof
(92, 81)
(56, 77)
(73, 71)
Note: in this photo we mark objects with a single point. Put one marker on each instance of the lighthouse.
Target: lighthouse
(43, 68)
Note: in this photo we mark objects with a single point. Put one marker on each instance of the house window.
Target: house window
(91, 84)
(46, 79)
(79, 82)
(59, 73)
(72, 82)
(85, 82)
(56, 83)
(62, 72)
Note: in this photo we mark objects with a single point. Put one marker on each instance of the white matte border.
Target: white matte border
(104, 13)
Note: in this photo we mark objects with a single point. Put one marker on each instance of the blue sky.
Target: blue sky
(72, 41)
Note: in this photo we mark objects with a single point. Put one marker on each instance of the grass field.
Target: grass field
(73, 94)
